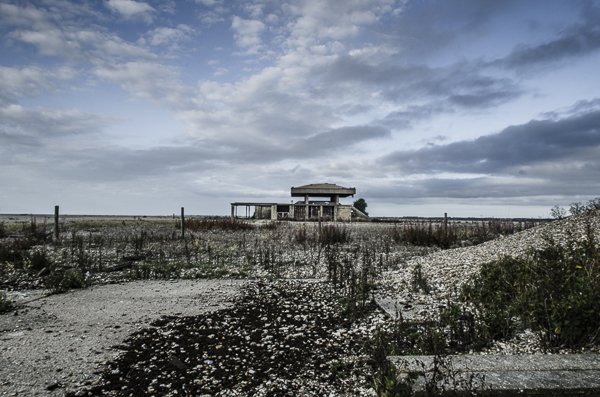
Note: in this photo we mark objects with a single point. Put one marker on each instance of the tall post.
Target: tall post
(305, 207)
(56, 230)
(182, 224)
(320, 215)
(274, 212)
(446, 224)
(232, 212)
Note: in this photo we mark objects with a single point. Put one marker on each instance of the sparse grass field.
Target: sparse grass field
(504, 298)
(96, 249)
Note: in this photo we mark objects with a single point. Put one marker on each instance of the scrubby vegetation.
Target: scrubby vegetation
(455, 234)
(5, 302)
(554, 291)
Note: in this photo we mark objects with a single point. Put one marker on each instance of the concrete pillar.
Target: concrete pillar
(335, 211)
(292, 208)
(274, 212)
(320, 216)
(306, 207)
(232, 211)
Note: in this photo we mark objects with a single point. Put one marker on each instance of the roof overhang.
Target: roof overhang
(323, 190)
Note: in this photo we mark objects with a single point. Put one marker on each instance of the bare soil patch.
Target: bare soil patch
(53, 343)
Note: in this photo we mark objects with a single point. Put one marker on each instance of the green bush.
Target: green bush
(62, 280)
(555, 291)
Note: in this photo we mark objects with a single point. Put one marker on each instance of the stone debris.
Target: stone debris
(446, 271)
(279, 338)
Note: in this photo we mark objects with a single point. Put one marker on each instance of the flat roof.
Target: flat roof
(323, 190)
(257, 204)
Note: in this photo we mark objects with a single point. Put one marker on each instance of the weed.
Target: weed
(431, 234)
(338, 369)
(439, 379)
(419, 280)
(62, 280)
(301, 235)
(273, 225)
(5, 302)
(334, 234)
(39, 260)
(214, 223)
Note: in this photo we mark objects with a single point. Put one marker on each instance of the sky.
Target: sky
(466, 107)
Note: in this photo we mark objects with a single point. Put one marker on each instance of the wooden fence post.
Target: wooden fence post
(446, 224)
(182, 224)
(56, 230)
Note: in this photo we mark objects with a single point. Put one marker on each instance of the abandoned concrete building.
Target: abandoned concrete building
(306, 209)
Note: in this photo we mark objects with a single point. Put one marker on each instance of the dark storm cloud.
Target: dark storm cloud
(521, 145)
(556, 184)
(425, 28)
(579, 39)
(463, 85)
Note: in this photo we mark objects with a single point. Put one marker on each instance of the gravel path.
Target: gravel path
(55, 343)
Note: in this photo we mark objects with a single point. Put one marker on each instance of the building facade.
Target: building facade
(307, 208)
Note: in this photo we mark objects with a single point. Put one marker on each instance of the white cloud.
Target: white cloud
(220, 71)
(210, 18)
(164, 35)
(150, 81)
(209, 3)
(45, 122)
(27, 81)
(247, 33)
(130, 9)
(254, 10)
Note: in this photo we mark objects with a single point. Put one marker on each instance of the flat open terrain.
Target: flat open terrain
(230, 293)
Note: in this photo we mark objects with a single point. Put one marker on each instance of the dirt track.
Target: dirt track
(59, 342)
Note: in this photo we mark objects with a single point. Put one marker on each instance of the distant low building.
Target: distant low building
(306, 209)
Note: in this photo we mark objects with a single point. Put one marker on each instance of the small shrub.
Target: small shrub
(62, 280)
(555, 291)
(301, 235)
(558, 212)
(15, 252)
(334, 234)
(419, 280)
(5, 302)
(338, 369)
(39, 260)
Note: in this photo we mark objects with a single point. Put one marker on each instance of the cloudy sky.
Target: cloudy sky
(470, 107)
